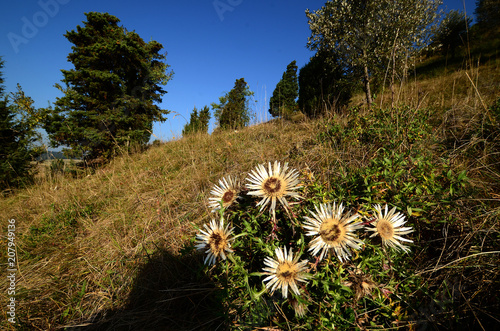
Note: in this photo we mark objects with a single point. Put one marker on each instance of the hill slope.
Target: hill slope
(108, 250)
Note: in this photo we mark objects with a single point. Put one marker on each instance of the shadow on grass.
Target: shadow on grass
(170, 293)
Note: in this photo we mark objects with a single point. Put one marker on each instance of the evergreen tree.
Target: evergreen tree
(323, 85)
(283, 100)
(17, 138)
(451, 33)
(488, 14)
(204, 118)
(193, 125)
(233, 111)
(110, 96)
(198, 121)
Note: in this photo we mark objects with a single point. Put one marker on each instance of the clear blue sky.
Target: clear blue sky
(210, 44)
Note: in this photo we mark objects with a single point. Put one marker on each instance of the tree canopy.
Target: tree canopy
(111, 96)
(283, 100)
(488, 14)
(323, 85)
(17, 137)
(198, 121)
(367, 35)
(451, 32)
(233, 111)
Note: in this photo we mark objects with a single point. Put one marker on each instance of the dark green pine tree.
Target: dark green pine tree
(193, 125)
(488, 14)
(204, 118)
(111, 96)
(452, 32)
(233, 111)
(283, 100)
(198, 122)
(16, 153)
(323, 86)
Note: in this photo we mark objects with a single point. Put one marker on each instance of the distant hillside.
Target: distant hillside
(51, 155)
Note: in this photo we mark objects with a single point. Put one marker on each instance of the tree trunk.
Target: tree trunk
(366, 80)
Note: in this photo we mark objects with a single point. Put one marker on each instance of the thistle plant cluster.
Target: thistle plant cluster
(304, 263)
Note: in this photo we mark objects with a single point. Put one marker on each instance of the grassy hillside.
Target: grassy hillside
(112, 248)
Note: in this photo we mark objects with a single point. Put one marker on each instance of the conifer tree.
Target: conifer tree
(17, 138)
(283, 100)
(323, 85)
(233, 111)
(193, 125)
(451, 33)
(204, 118)
(198, 121)
(111, 96)
(488, 14)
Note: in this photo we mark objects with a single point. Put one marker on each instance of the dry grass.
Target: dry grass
(104, 251)
(82, 242)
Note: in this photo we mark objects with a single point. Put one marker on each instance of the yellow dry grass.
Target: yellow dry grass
(126, 210)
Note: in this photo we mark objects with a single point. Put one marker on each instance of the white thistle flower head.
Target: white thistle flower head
(333, 230)
(273, 185)
(215, 241)
(389, 226)
(226, 193)
(285, 272)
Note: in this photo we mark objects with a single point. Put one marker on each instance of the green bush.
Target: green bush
(370, 282)
(373, 287)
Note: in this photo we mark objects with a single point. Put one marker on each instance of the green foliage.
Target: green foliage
(374, 288)
(379, 286)
(323, 85)
(198, 122)
(452, 32)
(368, 35)
(110, 95)
(57, 167)
(286, 92)
(401, 171)
(204, 119)
(18, 138)
(233, 111)
(488, 14)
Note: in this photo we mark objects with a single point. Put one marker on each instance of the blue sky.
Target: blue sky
(209, 43)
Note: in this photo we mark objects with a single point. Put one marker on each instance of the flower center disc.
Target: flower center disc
(385, 229)
(286, 271)
(331, 232)
(272, 185)
(217, 242)
(228, 196)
